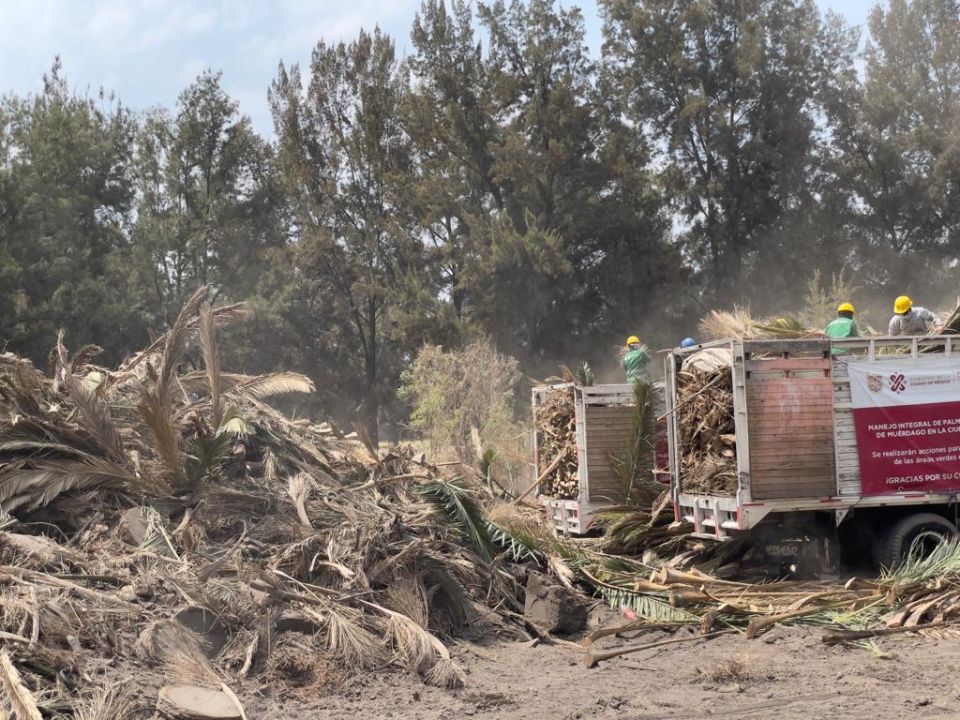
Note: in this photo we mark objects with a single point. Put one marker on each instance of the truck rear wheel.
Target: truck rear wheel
(926, 530)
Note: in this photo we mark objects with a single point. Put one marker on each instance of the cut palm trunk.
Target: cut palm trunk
(706, 431)
(556, 425)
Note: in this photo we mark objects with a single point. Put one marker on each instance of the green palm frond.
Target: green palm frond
(585, 376)
(156, 537)
(463, 510)
(647, 606)
(485, 464)
(519, 546)
(205, 456)
(943, 560)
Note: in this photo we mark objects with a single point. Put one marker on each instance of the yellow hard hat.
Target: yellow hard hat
(902, 304)
(845, 307)
(633, 340)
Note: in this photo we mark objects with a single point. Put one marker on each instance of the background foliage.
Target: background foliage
(501, 182)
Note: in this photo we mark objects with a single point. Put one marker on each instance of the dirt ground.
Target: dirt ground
(786, 674)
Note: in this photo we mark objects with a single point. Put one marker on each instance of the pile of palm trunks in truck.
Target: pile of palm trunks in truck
(705, 425)
(556, 426)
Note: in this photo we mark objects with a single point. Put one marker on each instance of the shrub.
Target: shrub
(453, 391)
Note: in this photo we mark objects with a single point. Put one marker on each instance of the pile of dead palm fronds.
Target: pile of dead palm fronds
(164, 509)
(706, 431)
(556, 427)
(738, 324)
(921, 595)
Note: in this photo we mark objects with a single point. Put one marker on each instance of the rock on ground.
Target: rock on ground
(552, 607)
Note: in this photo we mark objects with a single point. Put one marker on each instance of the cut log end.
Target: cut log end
(193, 702)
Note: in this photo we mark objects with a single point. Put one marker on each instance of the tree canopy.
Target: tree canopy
(501, 181)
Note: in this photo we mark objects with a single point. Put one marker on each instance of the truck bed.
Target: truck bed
(796, 442)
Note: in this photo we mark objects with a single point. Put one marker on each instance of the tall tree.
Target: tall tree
(571, 171)
(343, 150)
(729, 90)
(449, 117)
(210, 201)
(66, 197)
(897, 137)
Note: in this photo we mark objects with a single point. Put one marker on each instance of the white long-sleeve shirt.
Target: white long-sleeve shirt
(916, 321)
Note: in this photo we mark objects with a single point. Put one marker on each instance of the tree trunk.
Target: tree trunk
(371, 403)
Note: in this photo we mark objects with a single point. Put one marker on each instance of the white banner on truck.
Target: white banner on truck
(906, 414)
(907, 381)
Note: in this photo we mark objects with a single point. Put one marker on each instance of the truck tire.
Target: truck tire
(900, 538)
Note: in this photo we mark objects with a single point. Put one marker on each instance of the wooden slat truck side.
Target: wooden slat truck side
(798, 459)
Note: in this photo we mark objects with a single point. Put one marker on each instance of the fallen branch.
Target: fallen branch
(543, 476)
(626, 627)
(591, 658)
(838, 636)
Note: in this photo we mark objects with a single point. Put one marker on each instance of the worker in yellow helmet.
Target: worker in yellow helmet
(842, 326)
(635, 360)
(910, 320)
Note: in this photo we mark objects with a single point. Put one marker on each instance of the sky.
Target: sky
(147, 51)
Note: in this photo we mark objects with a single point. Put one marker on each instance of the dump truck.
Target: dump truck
(838, 446)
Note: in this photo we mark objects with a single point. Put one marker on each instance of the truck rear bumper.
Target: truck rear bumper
(714, 516)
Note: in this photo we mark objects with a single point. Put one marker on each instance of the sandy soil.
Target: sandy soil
(786, 674)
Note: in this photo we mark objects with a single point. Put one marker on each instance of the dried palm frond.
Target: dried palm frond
(354, 645)
(786, 327)
(97, 421)
(82, 357)
(445, 673)
(406, 595)
(723, 325)
(299, 488)
(411, 643)
(179, 651)
(20, 699)
(241, 550)
(420, 650)
(156, 415)
(211, 362)
(263, 386)
(28, 485)
(105, 703)
(174, 345)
